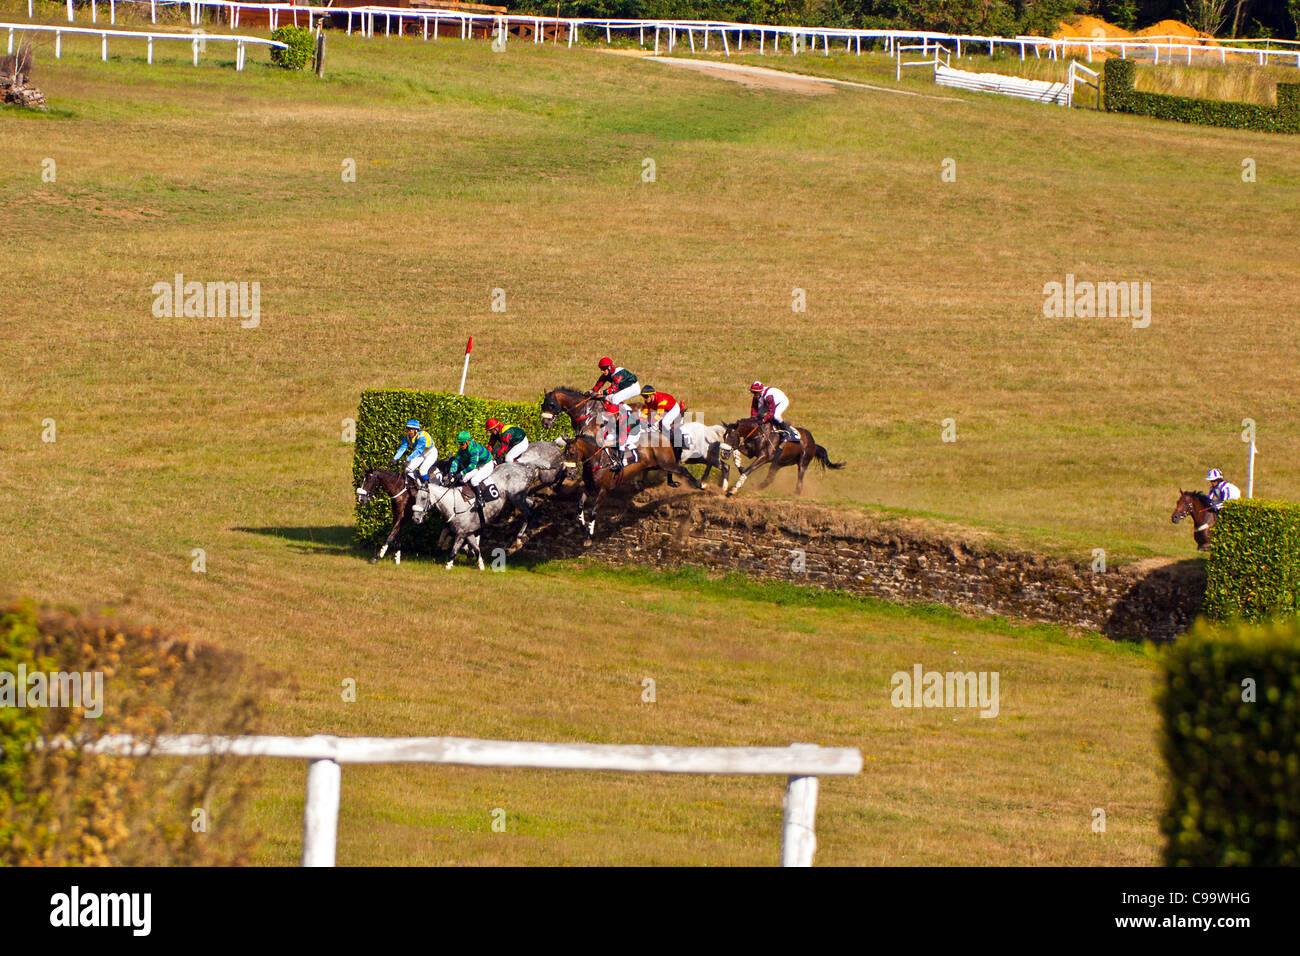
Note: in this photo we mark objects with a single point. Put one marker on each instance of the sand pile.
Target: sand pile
(1095, 28)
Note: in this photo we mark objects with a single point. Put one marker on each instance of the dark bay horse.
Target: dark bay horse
(599, 473)
(403, 500)
(1200, 509)
(583, 409)
(762, 443)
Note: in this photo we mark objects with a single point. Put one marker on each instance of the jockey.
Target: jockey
(617, 383)
(665, 411)
(423, 455)
(622, 430)
(1221, 490)
(471, 465)
(768, 404)
(505, 445)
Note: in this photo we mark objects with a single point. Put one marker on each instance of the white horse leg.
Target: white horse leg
(397, 557)
(383, 550)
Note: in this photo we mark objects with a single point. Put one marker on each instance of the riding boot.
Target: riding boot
(478, 504)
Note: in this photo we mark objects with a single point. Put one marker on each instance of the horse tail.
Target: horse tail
(819, 454)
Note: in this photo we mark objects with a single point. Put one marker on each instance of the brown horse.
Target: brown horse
(583, 409)
(762, 443)
(1201, 510)
(600, 472)
(400, 490)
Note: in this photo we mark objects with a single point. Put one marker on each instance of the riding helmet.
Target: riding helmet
(413, 423)
(756, 387)
(1214, 475)
(493, 424)
(462, 437)
(647, 391)
(606, 362)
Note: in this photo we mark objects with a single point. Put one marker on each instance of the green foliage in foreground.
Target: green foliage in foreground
(1230, 706)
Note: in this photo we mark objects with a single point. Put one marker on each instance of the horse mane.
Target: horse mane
(1200, 496)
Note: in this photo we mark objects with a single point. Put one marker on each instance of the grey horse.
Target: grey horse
(508, 484)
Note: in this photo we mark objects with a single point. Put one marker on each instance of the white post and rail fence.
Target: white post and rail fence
(800, 764)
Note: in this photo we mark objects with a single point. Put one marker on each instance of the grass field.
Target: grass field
(523, 172)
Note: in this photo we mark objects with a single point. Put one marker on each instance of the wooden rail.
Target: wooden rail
(801, 764)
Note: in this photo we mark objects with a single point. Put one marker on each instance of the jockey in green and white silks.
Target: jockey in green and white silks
(472, 463)
(616, 384)
(506, 444)
(420, 451)
(1221, 490)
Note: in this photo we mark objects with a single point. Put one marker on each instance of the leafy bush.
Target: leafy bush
(1230, 709)
(1254, 568)
(1120, 96)
(61, 805)
(381, 421)
(301, 49)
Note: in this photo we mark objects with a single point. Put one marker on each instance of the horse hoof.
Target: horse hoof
(449, 564)
(374, 560)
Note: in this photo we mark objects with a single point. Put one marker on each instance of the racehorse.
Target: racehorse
(583, 409)
(759, 441)
(508, 484)
(397, 488)
(1201, 509)
(708, 444)
(600, 475)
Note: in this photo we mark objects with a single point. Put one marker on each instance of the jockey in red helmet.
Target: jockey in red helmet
(616, 384)
(768, 404)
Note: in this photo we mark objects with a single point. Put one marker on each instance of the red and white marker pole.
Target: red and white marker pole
(465, 371)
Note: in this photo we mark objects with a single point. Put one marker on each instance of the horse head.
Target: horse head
(550, 408)
(1184, 506)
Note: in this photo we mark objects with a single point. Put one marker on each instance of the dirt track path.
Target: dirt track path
(765, 78)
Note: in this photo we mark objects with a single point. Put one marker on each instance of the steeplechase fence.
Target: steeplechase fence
(801, 764)
(729, 36)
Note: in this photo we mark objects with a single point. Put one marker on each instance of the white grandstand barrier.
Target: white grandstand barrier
(196, 43)
(801, 764)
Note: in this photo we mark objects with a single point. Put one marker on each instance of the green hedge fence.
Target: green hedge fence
(1254, 567)
(1120, 96)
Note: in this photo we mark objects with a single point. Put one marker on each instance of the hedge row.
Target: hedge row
(381, 421)
(1230, 709)
(300, 51)
(1254, 568)
(1121, 97)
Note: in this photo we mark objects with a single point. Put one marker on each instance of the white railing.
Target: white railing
(197, 41)
(801, 764)
(1285, 51)
(1078, 74)
(939, 57)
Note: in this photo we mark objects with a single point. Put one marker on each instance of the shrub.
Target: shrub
(62, 805)
(1120, 96)
(302, 47)
(381, 418)
(1230, 710)
(1254, 567)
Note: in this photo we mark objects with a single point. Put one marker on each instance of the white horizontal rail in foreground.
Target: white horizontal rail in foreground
(197, 42)
(1057, 47)
(801, 764)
